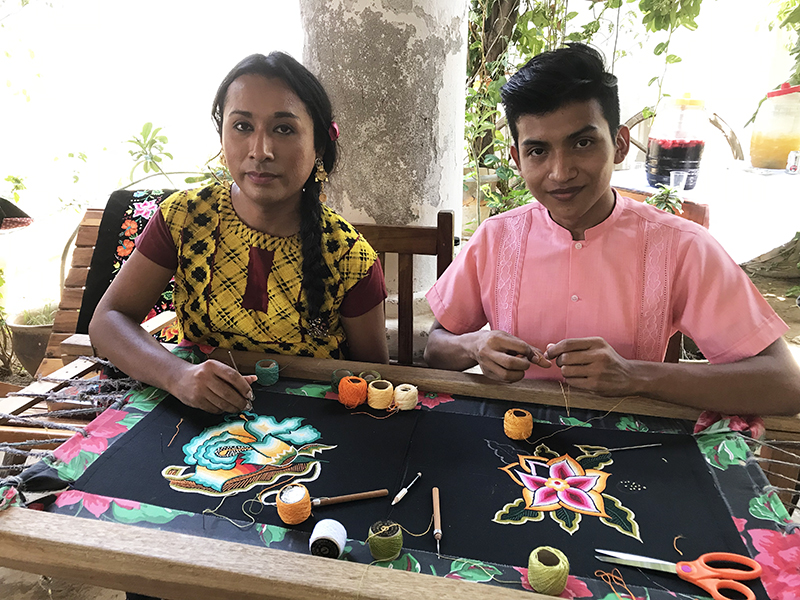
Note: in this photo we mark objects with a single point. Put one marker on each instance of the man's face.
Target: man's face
(566, 158)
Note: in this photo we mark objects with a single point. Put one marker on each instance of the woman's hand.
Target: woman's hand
(214, 387)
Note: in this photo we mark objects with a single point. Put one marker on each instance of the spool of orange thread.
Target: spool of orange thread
(380, 394)
(518, 424)
(352, 391)
(294, 504)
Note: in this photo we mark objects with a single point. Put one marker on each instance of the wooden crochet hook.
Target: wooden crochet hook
(324, 501)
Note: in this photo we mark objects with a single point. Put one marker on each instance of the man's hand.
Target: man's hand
(504, 357)
(592, 364)
(214, 387)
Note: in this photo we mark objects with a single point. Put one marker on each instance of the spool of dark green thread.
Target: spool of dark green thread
(337, 376)
(267, 371)
(385, 540)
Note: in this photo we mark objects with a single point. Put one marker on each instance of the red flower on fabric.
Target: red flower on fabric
(432, 400)
(97, 434)
(125, 248)
(575, 587)
(130, 228)
(779, 556)
(95, 504)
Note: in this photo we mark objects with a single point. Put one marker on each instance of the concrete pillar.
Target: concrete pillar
(395, 71)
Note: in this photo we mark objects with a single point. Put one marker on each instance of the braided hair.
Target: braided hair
(278, 65)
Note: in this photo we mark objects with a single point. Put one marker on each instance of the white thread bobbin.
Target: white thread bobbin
(406, 396)
(380, 394)
(328, 539)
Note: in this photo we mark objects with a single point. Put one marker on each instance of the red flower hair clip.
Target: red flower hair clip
(333, 131)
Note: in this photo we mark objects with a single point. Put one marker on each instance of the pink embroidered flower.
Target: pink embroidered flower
(432, 400)
(97, 434)
(145, 209)
(779, 556)
(566, 485)
(575, 587)
(95, 504)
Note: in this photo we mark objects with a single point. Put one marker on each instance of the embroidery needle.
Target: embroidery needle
(324, 501)
(404, 491)
(633, 447)
(250, 397)
(437, 520)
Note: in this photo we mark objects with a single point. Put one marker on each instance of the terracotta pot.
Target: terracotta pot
(29, 342)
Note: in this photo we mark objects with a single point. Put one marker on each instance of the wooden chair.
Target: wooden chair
(405, 241)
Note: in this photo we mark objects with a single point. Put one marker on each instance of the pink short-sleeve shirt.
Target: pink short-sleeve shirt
(637, 278)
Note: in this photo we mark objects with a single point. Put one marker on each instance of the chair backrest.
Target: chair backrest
(82, 291)
(406, 242)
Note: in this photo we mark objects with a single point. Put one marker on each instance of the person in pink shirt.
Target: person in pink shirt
(587, 286)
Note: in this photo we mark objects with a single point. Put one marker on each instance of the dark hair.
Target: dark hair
(550, 80)
(302, 82)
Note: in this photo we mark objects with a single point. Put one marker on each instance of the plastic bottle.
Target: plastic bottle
(677, 141)
(777, 128)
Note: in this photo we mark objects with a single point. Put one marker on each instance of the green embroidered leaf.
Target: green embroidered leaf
(313, 449)
(147, 399)
(770, 508)
(315, 390)
(721, 426)
(146, 512)
(573, 422)
(472, 570)
(515, 513)
(433, 571)
(405, 562)
(75, 468)
(568, 520)
(543, 451)
(270, 534)
(131, 420)
(629, 423)
(593, 457)
(620, 518)
(723, 449)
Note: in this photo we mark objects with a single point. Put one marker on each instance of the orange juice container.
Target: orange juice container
(776, 131)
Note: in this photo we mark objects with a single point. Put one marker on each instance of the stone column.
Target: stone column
(395, 72)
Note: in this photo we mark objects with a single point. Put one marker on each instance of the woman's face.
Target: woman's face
(268, 140)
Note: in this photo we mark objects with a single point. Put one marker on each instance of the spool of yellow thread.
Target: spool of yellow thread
(352, 391)
(548, 570)
(518, 424)
(405, 396)
(294, 504)
(380, 394)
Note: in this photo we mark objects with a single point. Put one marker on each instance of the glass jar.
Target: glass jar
(776, 131)
(677, 141)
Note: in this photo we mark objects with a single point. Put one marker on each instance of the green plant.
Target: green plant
(667, 199)
(40, 316)
(17, 185)
(6, 349)
(149, 151)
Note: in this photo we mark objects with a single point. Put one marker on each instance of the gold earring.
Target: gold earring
(321, 176)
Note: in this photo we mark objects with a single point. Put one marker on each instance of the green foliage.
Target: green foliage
(793, 291)
(149, 150)
(40, 316)
(667, 199)
(6, 351)
(17, 185)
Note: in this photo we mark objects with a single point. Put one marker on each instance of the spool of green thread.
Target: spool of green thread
(385, 540)
(548, 570)
(369, 375)
(267, 371)
(337, 376)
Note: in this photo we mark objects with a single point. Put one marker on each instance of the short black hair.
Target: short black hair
(574, 73)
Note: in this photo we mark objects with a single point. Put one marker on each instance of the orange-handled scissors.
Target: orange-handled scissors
(698, 572)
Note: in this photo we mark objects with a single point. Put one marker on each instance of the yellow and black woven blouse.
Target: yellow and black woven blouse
(218, 304)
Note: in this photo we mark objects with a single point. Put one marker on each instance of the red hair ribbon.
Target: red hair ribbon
(333, 131)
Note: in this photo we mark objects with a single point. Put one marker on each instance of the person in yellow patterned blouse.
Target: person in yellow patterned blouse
(259, 264)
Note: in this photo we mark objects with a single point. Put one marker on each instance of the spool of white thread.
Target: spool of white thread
(405, 396)
(328, 539)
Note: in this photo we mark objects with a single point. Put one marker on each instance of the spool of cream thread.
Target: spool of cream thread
(294, 504)
(548, 570)
(267, 371)
(352, 391)
(405, 396)
(337, 376)
(518, 424)
(380, 394)
(385, 540)
(328, 539)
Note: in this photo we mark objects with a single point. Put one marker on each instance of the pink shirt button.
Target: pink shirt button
(578, 246)
(574, 298)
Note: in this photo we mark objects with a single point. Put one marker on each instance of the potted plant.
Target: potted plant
(30, 331)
